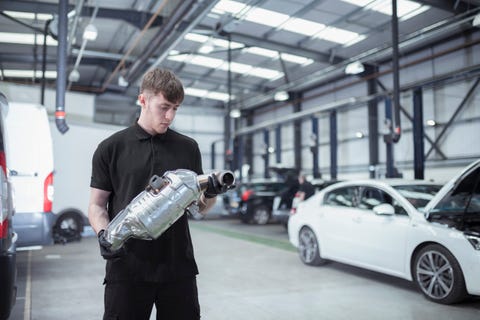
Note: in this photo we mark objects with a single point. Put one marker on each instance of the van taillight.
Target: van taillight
(246, 194)
(3, 228)
(3, 162)
(48, 193)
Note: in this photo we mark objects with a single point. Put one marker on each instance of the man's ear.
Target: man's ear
(142, 99)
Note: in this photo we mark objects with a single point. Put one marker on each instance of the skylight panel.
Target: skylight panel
(262, 52)
(405, 8)
(296, 59)
(283, 21)
(305, 27)
(265, 73)
(202, 93)
(337, 35)
(253, 50)
(25, 38)
(227, 6)
(215, 95)
(266, 17)
(196, 37)
(224, 43)
(208, 62)
(236, 67)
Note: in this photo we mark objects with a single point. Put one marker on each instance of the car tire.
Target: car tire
(438, 275)
(68, 227)
(308, 248)
(260, 215)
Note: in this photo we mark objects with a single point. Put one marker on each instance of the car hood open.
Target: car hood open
(454, 204)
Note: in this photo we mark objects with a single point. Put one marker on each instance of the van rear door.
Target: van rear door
(30, 163)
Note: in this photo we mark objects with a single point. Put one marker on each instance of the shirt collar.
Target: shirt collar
(141, 134)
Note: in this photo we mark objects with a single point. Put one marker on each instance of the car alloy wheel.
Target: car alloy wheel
(67, 228)
(261, 215)
(308, 248)
(438, 275)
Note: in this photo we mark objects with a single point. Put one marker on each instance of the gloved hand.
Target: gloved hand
(105, 251)
(214, 187)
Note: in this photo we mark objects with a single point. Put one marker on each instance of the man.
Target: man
(162, 271)
(305, 188)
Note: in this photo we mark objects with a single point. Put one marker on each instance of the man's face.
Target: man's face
(159, 112)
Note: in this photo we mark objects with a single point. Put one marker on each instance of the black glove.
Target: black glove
(105, 248)
(214, 187)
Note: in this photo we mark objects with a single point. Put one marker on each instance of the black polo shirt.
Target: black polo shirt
(123, 165)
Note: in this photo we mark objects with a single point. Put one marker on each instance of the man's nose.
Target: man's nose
(170, 114)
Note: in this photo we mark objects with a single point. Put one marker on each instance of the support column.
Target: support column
(389, 143)
(297, 130)
(418, 134)
(314, 148)
(278, 144)
(372, 125)
(266, 155)
(333, 145)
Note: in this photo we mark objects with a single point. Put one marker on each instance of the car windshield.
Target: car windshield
(418, 195)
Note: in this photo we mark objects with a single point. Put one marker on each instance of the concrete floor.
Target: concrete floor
(246, 272)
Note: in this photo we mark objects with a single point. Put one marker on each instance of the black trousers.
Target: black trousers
(134, 301)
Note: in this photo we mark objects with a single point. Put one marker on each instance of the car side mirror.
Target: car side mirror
(384, 209)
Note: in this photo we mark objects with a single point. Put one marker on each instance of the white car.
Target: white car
(406, 229)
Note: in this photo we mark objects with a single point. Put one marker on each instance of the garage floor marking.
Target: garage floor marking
(279, 244)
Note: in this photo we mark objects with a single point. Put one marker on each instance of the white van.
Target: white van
(28, 143)
(73, 153)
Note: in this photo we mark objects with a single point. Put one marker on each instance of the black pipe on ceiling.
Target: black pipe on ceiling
(61, 66)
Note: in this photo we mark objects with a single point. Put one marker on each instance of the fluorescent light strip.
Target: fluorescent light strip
(11, 73)
(206, 94)
(279, 20)
(236, 67)
(29, 15)
(25, 38)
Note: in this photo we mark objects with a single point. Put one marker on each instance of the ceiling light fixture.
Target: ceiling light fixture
(281, 96)
(431, 123)
(359, 135)
(235, 113)
(354, 68)
(476, 20)
(74, 76)
(90, 33)
(122, 82)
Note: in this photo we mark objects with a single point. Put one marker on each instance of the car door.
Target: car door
(337, 230)
(381, 237)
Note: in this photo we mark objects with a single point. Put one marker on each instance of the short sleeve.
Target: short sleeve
(100, 177)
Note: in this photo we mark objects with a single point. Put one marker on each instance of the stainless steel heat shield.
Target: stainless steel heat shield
(162, 203)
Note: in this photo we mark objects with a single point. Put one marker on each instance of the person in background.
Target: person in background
(160, 272)
(305, 188)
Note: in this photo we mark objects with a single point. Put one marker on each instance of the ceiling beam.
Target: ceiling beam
(136, 18)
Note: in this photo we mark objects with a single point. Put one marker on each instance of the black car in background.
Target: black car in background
(252, 200)
(8, 238)
(256, 200)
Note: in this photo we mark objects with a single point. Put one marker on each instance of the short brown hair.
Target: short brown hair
(165, 82)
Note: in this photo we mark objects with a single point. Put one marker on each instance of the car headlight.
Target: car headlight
(474, 240)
